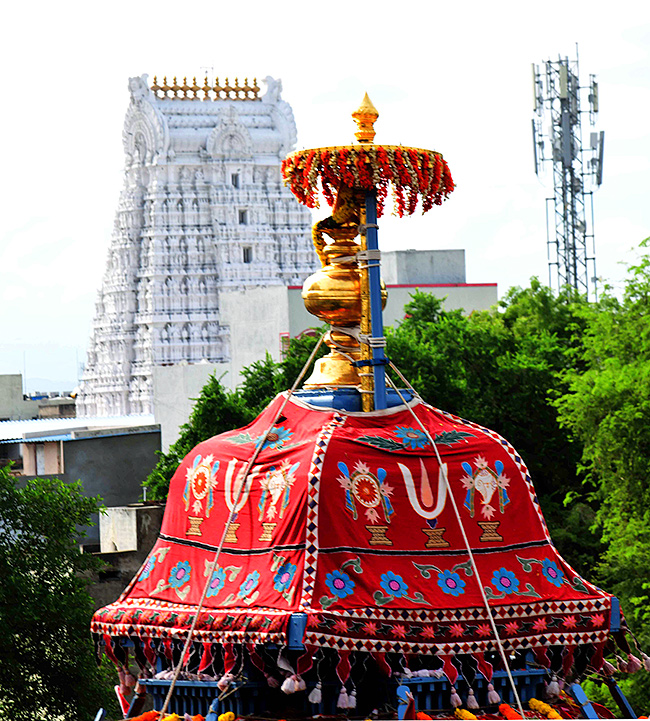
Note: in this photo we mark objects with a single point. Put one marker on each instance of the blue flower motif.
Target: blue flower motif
(505, 581)
(393, 584)
(411, 437)
(450, 582)
(276, 438)
(553, 574)
(283, 577)
(217, 582)
(249, 584)
(148, 568)
(339, 583)
(180, 574)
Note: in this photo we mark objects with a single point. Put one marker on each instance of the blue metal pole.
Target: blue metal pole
(376, 321)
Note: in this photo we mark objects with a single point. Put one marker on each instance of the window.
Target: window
(234, 179)
(243, 217)
(248, 255)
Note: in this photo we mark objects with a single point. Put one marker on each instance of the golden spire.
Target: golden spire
(365, 116)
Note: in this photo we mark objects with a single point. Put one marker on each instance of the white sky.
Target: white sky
(453, 77)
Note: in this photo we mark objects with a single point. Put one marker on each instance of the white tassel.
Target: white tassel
(455, 698)
(225, 681)
(187, 717)
(343, 699)
(633, 664)
(300, 684)
(289, 685)
(608, 669)
(621, 665)
(493, 696)
(471, 699)
(316, 696)
(646, 661)
(352, 698)
(553, 688)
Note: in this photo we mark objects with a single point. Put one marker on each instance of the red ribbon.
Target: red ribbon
(343, 666)
(484, 666)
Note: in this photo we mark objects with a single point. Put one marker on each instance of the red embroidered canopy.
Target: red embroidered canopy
(345, 517)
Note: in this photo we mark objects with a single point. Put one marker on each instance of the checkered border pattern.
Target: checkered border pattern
(445, 649)
(313, 493)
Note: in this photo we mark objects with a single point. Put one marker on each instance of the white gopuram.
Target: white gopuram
(203, 211)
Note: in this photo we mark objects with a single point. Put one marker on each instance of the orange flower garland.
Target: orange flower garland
(413, 173)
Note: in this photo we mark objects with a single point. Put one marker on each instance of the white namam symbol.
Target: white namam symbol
(276, 485)
(425, 505)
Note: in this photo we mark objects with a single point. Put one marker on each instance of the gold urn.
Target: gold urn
(333, 294)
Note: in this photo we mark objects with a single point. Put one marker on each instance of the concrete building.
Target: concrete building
(110, 456)
(203, 212)
(14, 406)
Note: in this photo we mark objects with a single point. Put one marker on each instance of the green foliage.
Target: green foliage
(607, 408)
(218, 410)
(47, 664)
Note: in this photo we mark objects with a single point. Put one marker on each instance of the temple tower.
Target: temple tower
(203, 210)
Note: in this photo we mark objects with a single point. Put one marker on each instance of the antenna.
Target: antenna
(576, 171)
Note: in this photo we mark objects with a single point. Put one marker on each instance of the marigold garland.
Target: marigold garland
(508, 712)
(543, 708)
(462, 713)
(414, 174)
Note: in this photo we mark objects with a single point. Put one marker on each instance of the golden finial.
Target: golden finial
(365, 116)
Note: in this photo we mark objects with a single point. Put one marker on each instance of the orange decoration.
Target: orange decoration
(508, 712)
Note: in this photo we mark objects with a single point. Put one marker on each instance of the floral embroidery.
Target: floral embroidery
(276, 485)
(456, 630)
(411, 438)
(284, 576)
(393, 584)
(180, 574)
(201, 480)
(276, 439)
(428, 632)
(369, 490)
(250, 583)
(451, 583)
(398, 630)
(540, 625)
(505, 581)
(370, 628)
(341, 626)
(552, 572)
(512, 627)
(597, 620)
(217, 582)
(339, 583)
(484, 630)
(570, 622)
(484, 481)
(148, 568)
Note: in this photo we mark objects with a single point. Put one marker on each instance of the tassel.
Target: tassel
(553, 688)
(289, 685)
(129, 679)
(225, 681)
(455, 698)
(471, 699)
(316, 696)
(621, 665)
(343, 699)
(300, 684)
(121, 675)
(633, 664)
(187, 717)
(646, 661)
(272, 681)
(352, 698)
(608, 669)
(493, 696)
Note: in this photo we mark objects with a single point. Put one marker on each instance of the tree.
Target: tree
(607, 408)
(47, 663)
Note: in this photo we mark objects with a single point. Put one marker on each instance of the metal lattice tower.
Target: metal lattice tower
(557, 139)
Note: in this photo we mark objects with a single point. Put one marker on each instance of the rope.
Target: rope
(465, 539)
(213, 564)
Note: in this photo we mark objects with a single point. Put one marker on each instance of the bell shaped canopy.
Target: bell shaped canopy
(346, 518)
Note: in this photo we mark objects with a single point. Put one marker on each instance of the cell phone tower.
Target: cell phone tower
(577, 171)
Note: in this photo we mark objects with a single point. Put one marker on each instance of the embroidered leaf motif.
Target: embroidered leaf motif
(354, 564)
(182, 593)
(530, 591)
(160, 586)
(233, 572)
(382, 600)
(418, 598)
(242, 438)
(466, 567)
(489, 593)
(425, 569)
(448, 438)
(386, 444)
(578, 585)
(327, 601)
(527, 563)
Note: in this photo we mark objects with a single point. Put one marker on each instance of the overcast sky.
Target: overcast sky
(454, 78)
